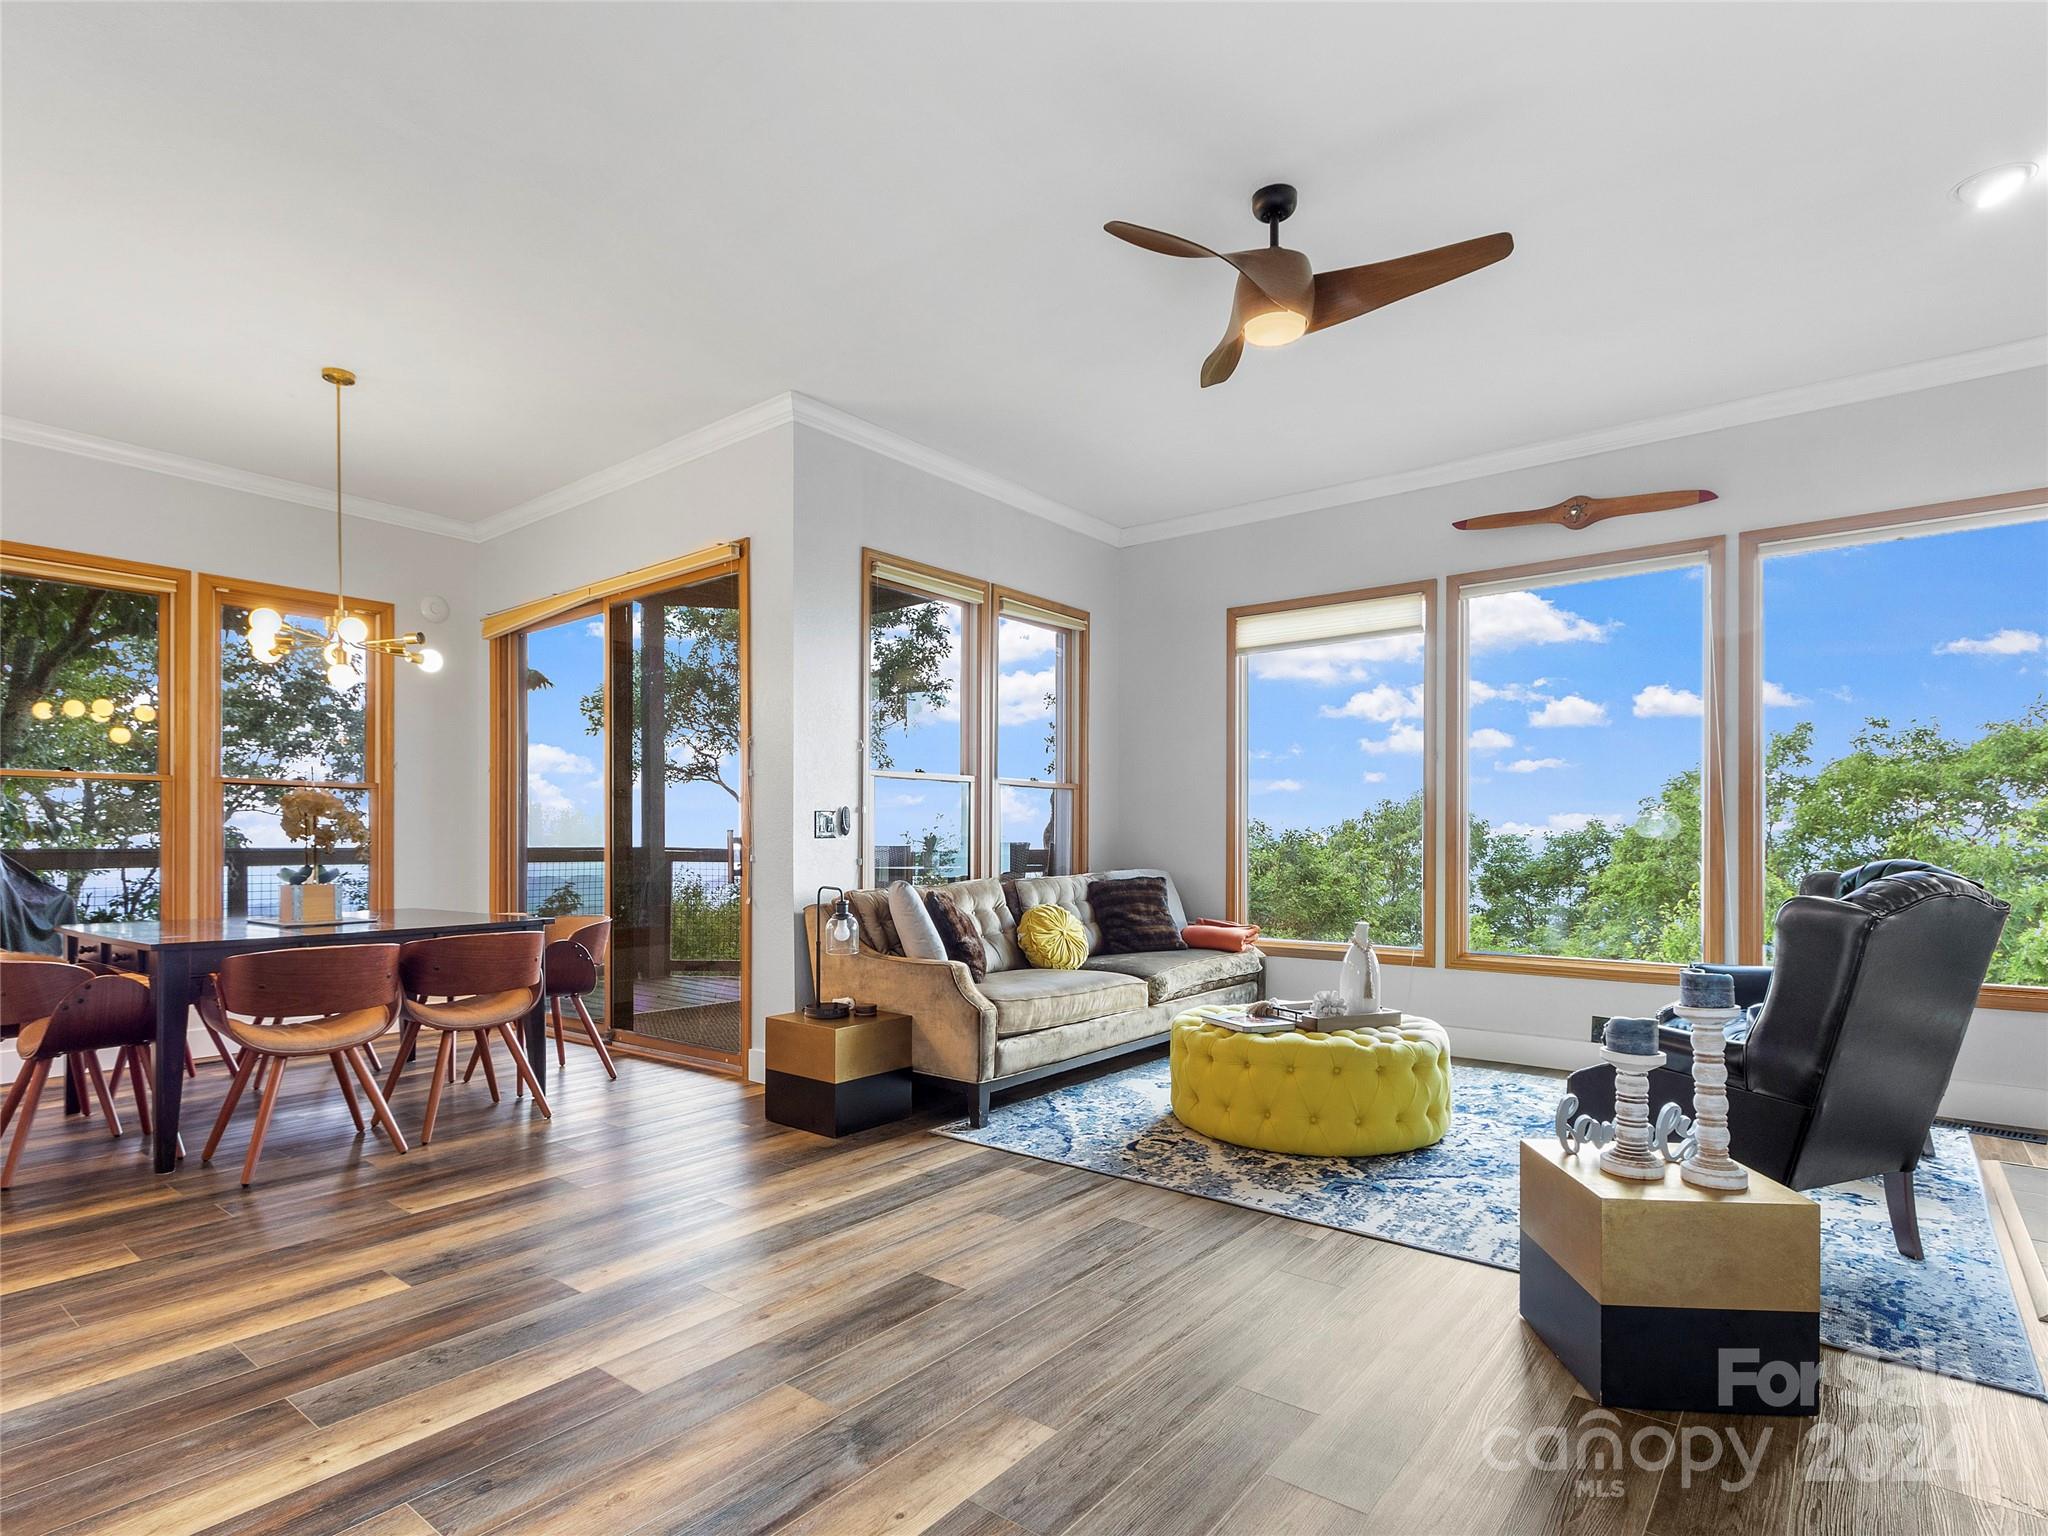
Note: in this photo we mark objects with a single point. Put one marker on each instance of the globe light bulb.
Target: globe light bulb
(120, 735)
(42, 709)
(265, 621)
(430, 660)
(73, 708)
(103, 709)
(341, 676)
(146, 713)
(264, 646)
(354, 628)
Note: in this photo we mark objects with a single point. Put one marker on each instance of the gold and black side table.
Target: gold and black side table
(834, 1077)
(1664, 1296)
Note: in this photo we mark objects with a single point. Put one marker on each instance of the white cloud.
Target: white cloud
(1266, 755)
(1017, 641)
(1559, 821)
(1382, 703)
(1781, 698)
(1405, 740)
(1486, 693)
(1660, 701)
(595, 629)
(1533, 764)
(544, 758)
(1022, 697)
(1487, 739)
(1843, 695)
(1341, 661)
(545, 801)
(1569, 710)
(1373, 777)
(2007, 642)
(1505, 621)
(1275, 786)
(1023, 810)
(895, 801)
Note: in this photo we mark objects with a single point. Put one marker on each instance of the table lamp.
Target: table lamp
(838, 934)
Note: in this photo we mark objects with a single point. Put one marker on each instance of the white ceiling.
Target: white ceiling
(550, 237)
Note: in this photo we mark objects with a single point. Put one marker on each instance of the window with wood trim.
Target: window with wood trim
(1895, 705)
(1584, 773)
(1333, 746)
(270, 728)
(975, 713)
(91, 789)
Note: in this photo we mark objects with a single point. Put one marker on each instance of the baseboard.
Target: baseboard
(757, 1065)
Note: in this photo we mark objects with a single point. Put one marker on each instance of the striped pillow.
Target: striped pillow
(1133, 916)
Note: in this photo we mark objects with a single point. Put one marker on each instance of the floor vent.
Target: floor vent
(1998, 1130)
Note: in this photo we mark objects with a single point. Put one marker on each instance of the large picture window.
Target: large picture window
(90, 794)
(274, 727)
(1332, 760)
(1897, 703)
(976, 744)
(1584, 765)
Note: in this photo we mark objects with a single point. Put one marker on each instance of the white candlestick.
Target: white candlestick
(1710, 1166)
(1630, 1155)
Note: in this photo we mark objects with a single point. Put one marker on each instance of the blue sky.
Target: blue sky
(1587, 696)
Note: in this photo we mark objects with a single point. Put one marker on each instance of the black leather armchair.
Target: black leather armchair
(1851, 1037)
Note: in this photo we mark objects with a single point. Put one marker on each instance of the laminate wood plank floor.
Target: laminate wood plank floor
(660, 1313)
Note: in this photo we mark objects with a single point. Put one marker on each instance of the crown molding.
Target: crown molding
(943, 466)
(61, 439)
(1959, 368)
(776, 411)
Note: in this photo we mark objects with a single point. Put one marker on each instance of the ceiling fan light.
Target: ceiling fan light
(2000, 184)
(1275, 328)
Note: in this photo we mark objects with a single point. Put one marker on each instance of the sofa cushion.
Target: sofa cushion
(1132, 915)
(983, 903)
(1173, 906)
(916, 934)
(957, 932)
(1068, 891)
(1172, 973)
(1028, 1000)
(877, 927)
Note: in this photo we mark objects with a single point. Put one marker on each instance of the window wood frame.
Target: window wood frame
(1712, 552)
(173, 591)
(505, 634)
(1072, 704)
(1236, 885)
(379, 789)
(1754, 546)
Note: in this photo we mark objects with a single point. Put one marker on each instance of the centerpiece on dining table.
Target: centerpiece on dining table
(320, 821)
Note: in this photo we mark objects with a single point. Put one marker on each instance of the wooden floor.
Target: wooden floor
(661, 1313)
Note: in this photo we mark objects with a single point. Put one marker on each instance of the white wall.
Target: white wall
(1964, 440)
(439, 816)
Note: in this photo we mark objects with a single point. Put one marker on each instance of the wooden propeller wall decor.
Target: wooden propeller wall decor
(1585, 511)
(1279, 298)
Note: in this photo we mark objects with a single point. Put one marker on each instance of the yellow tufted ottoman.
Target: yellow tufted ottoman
(1352, 1093)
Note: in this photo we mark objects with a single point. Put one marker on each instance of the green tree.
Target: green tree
(1314, 884)
(700, 696)
(908, 648)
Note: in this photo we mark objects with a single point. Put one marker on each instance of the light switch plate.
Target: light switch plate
(824, 823)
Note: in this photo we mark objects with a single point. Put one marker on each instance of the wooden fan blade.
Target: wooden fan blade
(1353, 291)
(1157, 240)
(1584, 511)
(1222, 363)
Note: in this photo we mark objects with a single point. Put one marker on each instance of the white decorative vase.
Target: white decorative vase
(1358, 984)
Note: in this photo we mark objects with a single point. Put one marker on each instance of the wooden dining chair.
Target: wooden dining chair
(476, 984)
(576, 947)
(65, 1010)
(108, 959)
(286, 1005)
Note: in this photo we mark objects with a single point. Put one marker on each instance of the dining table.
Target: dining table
(176, 955)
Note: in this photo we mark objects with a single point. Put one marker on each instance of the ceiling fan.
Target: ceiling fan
(1280, 299)
(1585, 511)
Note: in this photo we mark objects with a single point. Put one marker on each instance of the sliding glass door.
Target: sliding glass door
(621, 730)
(678, 791)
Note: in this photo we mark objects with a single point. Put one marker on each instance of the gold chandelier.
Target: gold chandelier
(346, 643)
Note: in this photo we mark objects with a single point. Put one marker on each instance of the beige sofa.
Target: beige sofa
(1019, 1023)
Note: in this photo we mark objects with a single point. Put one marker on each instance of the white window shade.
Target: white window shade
(1329, 622)
(928, 584)
(1031, 613)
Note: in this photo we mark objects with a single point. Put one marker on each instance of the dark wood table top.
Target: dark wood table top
(198, 932)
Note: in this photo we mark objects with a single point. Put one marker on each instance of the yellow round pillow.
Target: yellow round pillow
(1052, 938)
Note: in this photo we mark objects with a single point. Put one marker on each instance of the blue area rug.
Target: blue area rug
(1953, 1313)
